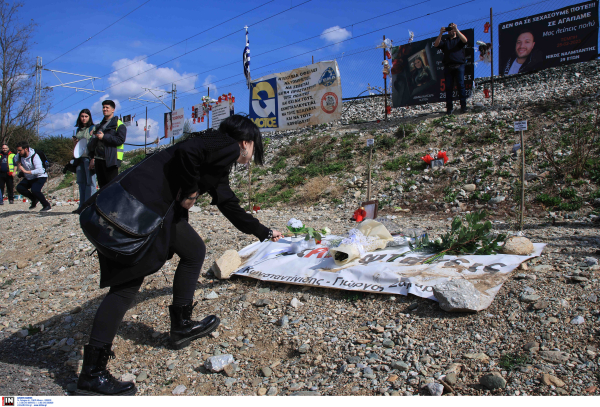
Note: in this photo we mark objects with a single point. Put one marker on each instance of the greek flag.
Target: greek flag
(247, 60)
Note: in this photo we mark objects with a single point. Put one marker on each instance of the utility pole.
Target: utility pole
(492, 51)
(385, 85)
(173, 95)
(146, 131)
(208, 113)
(38, 94)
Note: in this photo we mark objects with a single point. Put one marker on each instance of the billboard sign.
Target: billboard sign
(560, 37)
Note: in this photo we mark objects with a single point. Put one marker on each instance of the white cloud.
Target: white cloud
(135, 134)
(335, 34)
(154, 78)
(208, 84)
(60, 123)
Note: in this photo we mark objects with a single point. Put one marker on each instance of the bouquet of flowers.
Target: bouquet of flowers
(428, 159)
(442, 156)
(296, 226)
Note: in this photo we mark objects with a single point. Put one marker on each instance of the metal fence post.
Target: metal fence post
(384, 85)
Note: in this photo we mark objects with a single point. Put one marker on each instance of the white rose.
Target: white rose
(327, 230)
(295, 223)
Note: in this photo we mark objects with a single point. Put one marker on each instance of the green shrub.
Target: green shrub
(568, 193)
(278, 166)
(547, 200)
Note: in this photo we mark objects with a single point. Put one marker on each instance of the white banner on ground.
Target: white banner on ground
(382, 271)
(298, 98)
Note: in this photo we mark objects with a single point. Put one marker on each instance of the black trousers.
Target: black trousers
(35, 185)
(7, 180)
(105, 174)
(191, 250)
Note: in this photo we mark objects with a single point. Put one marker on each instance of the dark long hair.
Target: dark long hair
(90, 123)
(241, 128)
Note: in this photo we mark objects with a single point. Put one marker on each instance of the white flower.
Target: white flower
(295, 223)
(327, 230)
(438, 240)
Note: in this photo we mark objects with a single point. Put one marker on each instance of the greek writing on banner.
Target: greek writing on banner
(550, 39)
(298, 98)
(178, 121)
(418, 72)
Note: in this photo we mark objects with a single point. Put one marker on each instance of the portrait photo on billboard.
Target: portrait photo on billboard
(418, 73)
(554, 38)
(168, 125)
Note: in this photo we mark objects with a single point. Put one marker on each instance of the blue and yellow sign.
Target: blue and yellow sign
(264, 104)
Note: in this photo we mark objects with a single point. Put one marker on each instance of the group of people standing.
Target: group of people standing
(99, 161)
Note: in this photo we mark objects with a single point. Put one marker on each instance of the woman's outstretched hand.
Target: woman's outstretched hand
(276, 236)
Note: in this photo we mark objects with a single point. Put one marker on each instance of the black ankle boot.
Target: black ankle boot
(184, 330)
(95, 379)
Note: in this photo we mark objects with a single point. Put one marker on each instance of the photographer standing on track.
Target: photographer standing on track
(453, 46)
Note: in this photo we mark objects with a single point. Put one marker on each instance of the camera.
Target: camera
(448, 29)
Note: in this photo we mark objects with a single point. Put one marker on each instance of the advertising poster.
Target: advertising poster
(298, 98)
(127, 120)
(178, 119)
(564, 36)
(418, 72)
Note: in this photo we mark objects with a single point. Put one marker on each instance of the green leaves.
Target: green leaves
(311, 233)
(470, 238)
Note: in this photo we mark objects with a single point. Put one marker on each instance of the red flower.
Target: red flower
(442, 154)
(428, 159)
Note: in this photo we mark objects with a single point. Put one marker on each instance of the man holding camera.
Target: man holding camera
(453, 45)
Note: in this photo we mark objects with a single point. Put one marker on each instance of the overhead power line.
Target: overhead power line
(196, 49)
(99, 32)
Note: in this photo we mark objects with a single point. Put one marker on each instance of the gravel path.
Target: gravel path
(335, 343)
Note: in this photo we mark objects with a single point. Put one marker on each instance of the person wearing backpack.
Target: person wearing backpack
(31, 164)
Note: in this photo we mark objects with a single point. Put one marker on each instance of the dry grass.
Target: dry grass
(318, 187)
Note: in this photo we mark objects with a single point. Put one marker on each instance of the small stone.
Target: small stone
(128, 377)
(435, 389)
(477, 356)
(591, 261)
(553, 356)
(179, 390)
(211, 296)
(43, 295)
(578, 320)
(229, 370)
(284, 321)
(460, 296)
(218, 363)
(496, 200)
(388, 343)
(142, 377)
(262, 391)
(469, 187)
(550, 380)
(530, 298)
(531, 347)
(229, 262)
(540, 305)
(493, 381)
(518, 245)
(22, 333)
(401, 366)
(266, 371)
(262, 302)
(306, 393)
(303, 348)
(451, 379)
(75, 310)
(21, 264)
(272, 391)
(295, 303)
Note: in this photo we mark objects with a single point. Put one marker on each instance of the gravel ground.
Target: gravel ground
(335, 343)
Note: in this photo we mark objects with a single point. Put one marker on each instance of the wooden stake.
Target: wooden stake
(249, 187)
(522, 181)
(369, 181)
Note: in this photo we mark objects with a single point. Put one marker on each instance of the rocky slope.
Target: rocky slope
(539, 337)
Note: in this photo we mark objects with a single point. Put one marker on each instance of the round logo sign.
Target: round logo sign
(329, 102)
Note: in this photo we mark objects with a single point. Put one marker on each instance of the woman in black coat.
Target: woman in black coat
(169, 183)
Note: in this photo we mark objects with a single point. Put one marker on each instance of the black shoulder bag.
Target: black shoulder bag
(121, 227)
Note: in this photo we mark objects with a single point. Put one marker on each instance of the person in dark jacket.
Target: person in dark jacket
(526, 57)
(169, 182)
(453, 46)
(106, 148)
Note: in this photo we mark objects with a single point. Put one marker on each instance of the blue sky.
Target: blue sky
(112, 55)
